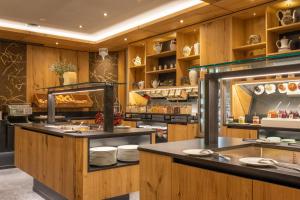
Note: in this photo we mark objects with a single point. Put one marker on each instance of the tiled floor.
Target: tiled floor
(16, 185)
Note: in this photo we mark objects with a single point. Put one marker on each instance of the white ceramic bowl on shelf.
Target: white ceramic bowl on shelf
(128, 153)
(103, 156)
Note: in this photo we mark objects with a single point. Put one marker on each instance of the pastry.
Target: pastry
(292, 87)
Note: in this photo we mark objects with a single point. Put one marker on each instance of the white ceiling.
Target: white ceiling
(67, 15)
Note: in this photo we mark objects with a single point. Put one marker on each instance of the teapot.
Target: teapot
(157, 47)
(141, 85)
(137, 61)
(284, 44)
(155, 83)
(187, 50)
(288, 17)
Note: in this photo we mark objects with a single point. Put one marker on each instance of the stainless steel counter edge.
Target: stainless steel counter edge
(174, 150)
(92, 135)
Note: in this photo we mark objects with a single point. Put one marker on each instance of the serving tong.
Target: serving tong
(278, 164)
(215, 154)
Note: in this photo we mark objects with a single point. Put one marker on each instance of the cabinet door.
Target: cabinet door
(192, 183)
(269, 191)
(215, 41)
(177, 132)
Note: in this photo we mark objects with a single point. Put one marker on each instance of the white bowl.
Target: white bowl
(103, 156)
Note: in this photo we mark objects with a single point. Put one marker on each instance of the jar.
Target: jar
(255, 120)
(241, 119)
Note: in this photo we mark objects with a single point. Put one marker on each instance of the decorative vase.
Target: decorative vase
(61, 80)
(69, 78)
(193, 76)
(173, 45)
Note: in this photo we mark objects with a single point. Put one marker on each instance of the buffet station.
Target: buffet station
(81, 161)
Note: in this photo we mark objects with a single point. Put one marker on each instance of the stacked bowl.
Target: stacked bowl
(128, 153)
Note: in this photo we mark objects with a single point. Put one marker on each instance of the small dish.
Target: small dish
(292, 87)
(258, 90)
(198, 152)
(282, 88)
(268, 141)
(256, 162)
(270, 88)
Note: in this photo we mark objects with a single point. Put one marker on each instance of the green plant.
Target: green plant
(62, 66)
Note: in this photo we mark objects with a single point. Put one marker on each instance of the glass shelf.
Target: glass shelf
(284, 59)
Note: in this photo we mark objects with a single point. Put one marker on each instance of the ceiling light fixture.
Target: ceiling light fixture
(80, 26)
(181, 21)
(254, 14)
(126, 25)
(56, 43)
(125, 39)
(105, 14)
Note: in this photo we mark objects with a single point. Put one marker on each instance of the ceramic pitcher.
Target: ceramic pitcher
(197, 48)
(155, 83)
(284, 44)
(137, 61)
(286, 17)
(157, 47)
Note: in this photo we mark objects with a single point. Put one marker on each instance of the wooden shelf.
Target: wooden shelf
(137, 67)
(162, 54)
(278, 53)
(250, 47)
(161, 71)
(188, 58)
(286, 28)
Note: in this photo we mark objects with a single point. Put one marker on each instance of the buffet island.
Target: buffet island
(71, 161)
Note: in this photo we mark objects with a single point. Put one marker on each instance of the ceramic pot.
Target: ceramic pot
(157, 47)
(69, 78)
(137, 61)
(193, 76)
(155, 83)
(141, 85)
(187, 51)
(286, 17)
(284, 44)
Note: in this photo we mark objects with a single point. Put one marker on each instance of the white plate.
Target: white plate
(289, 140)
(262, 89)
(198, 152)
(122, 127)
(266, 141)
(284, 90)
(270, 88)
(254, 161)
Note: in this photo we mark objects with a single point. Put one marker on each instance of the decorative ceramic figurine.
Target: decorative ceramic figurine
(193, 76)
(173, 45)
(187, 50)
(197, 48)
(165, 66)
(157, 47)
(141, 85)
(155, 83)
(137, 61)
(286, 17)
(284, 44)
(171, 66)
(159, 67)
(254, 39)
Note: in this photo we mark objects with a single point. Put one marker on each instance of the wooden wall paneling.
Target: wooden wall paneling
(122, 72)
(215, 47)
(240, 101)
(269, 191)
(191, 183)
(155, 176)
(241, 133)
(83, 66)
(272, 37)
(177, 132)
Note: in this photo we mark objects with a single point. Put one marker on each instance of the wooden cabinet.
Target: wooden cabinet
(155, 176)
(269, 191)
(177, 132)
(129, 123)
(41, 156)
(191, 183)
(239, 133)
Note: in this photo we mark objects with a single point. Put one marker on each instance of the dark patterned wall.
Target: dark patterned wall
(102, 71)
(12, 72)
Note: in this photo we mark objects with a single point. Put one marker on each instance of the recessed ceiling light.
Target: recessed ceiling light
(125, 39)
(80, 26)
(105, 14)
(56, 43)
(42, 19)
(254, 14)
(181, 21)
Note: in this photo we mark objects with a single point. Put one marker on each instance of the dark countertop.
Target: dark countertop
(280, 176)
(88, 134)
(258, 127)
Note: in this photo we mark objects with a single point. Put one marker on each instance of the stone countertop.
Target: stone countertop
(274, 175)
(118, 132)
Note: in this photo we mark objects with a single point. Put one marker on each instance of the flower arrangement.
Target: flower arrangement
(61, 67)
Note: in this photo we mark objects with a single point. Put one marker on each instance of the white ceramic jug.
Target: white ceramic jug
(193, 76)
(173, 45)
(155, 83)
(187, 50)
(197, 48)
(137, 61)
(141, 85)
(157, 47)
(284, 44)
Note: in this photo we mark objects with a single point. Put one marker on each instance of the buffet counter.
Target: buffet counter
(168, 173)
(61, 161)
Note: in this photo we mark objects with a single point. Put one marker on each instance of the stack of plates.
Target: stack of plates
(103, 156)
(128, 153)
